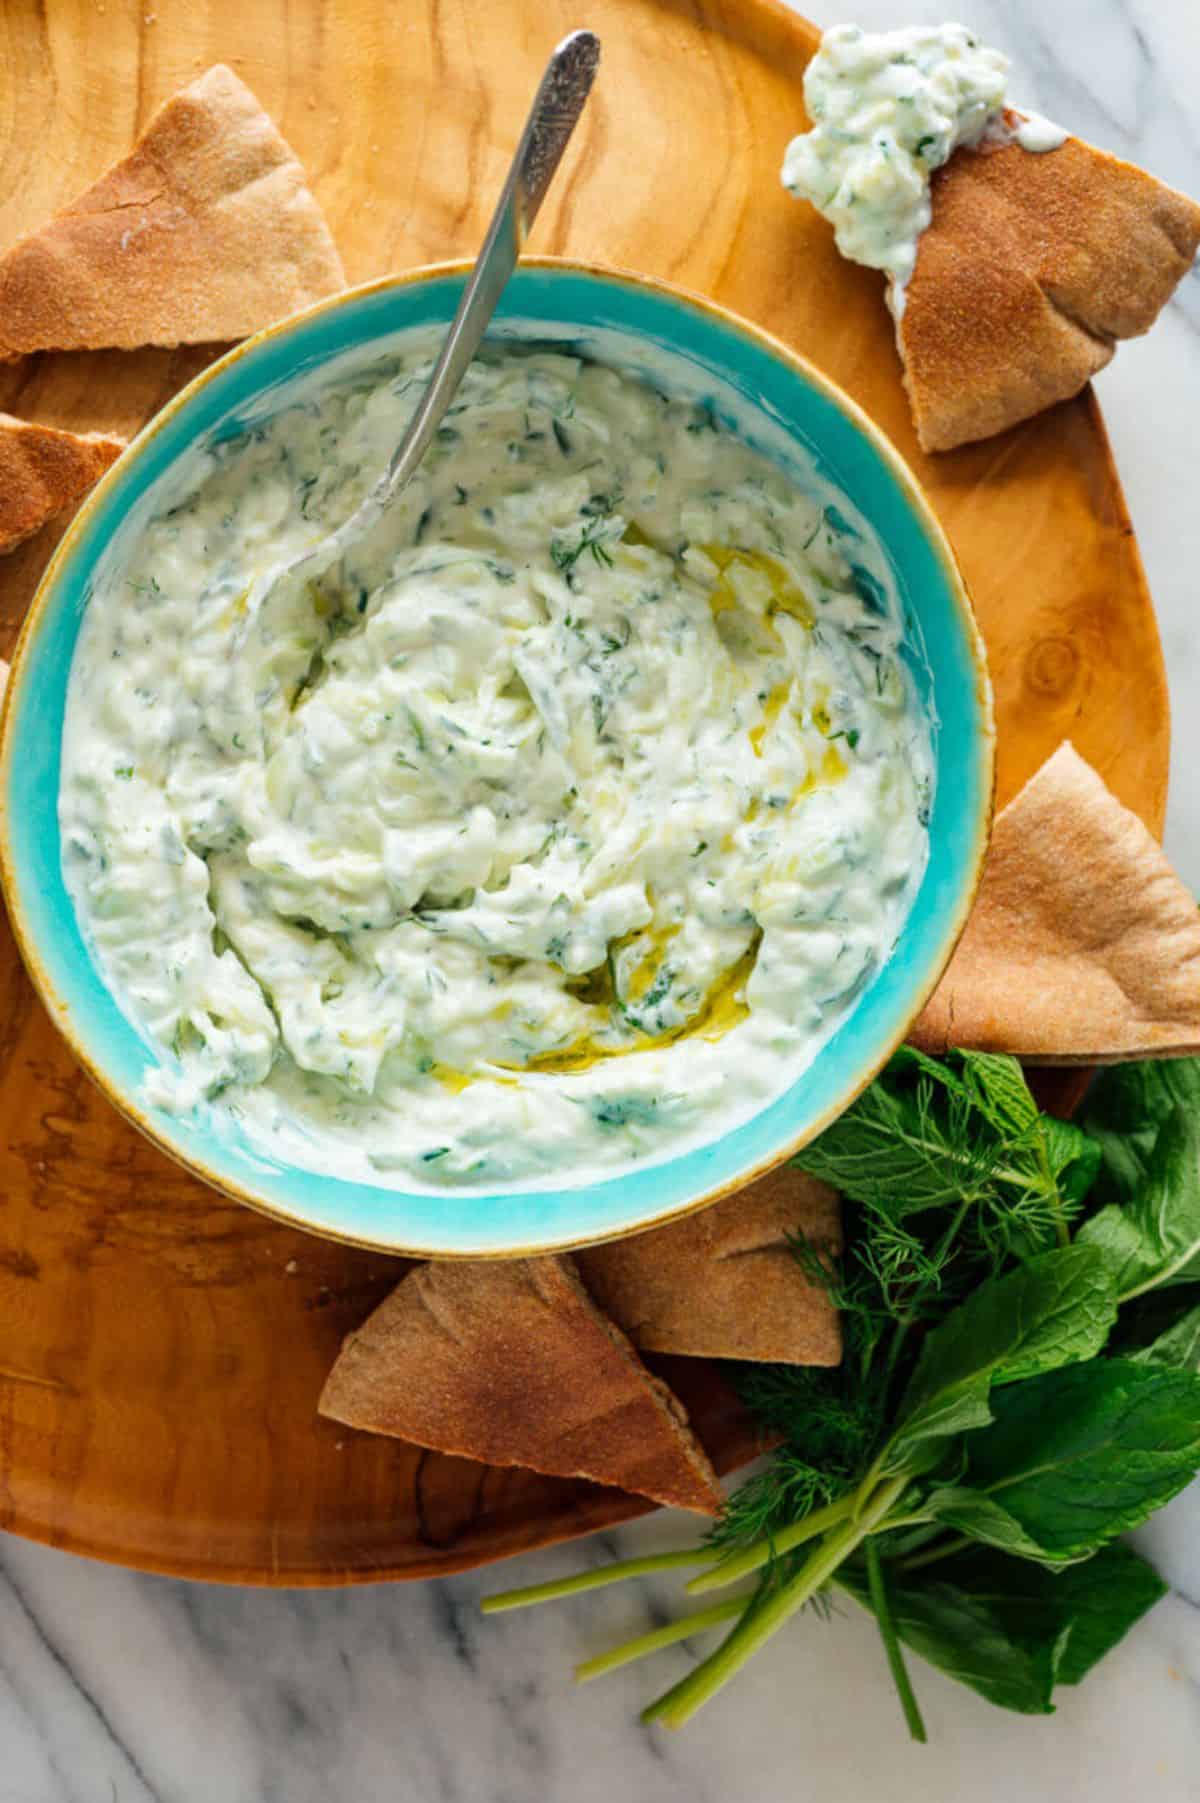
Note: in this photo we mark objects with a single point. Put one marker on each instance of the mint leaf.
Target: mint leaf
(885, 1149)
(1075, 1457)
(1058, 1308)
(1071, 1155)
(1098, 1602)
(1076, 1614)
(907, 1142)
(1177, 1347)
(1123, 1113)
(997, 1085)
(966, 1637)
(960, 1132)
(1154, 1238)
(1011, 1630)
(982, 1518)
(1063, 1310)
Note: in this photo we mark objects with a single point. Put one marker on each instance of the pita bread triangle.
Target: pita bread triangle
(206, 231)
(44, 471)
(1083, 946)
(1034, 265)
(510, 1362)
(724, 1282)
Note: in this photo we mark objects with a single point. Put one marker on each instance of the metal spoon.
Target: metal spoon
(559, 101)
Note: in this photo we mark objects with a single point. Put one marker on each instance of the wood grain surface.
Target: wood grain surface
(161, 1350)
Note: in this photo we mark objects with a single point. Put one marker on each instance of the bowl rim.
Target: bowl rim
(984, 751)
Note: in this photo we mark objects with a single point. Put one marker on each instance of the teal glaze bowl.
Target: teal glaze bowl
(770, 397)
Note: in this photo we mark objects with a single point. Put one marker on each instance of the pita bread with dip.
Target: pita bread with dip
(206, 231)
(1032, 269)
(1083, 946)
(44, 471)
(724, 1282)
(511, 1362)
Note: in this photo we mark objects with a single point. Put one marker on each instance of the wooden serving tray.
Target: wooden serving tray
(161, 1349)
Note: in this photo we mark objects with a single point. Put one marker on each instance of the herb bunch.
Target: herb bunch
(1020, 1300)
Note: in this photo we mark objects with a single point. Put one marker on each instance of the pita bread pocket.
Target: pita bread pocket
(1083, 946)
(44, 471)
(1032, 269)
(207, 230)
(724, 1282)
(511, 1362)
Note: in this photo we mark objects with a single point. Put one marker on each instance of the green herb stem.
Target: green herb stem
(1061, 1228)
(918, 1519)
(772, 1546)
(763, 1620)
(881, 1604)
(943, 1550)
(904, 1326)
(595, 1580)
(955, 1155)
(698, 1622)
(899, 1334)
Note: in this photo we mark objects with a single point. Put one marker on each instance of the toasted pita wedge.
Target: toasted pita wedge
(1083, 946)
(43, 472)
(512, 1363)
(1034, 266)
(724, 1283)
(206, 231)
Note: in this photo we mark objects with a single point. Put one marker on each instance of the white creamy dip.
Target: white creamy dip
(559, 827)
(888, 108)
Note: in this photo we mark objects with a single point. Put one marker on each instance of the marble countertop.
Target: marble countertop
(119, 1688)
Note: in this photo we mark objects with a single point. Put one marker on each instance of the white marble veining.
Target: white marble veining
(116, 1688)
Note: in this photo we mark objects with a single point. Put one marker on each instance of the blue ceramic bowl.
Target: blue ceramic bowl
(773, 399)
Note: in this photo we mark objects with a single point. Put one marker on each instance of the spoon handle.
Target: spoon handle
(560, 99)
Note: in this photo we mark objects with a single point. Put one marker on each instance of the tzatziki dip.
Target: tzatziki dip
(555, 830)
(888, 108)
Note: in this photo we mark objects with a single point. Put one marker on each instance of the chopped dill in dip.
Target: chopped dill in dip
(555, 830)
(888, 108)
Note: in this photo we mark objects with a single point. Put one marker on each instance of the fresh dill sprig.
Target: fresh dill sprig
(591, 539)
(826, 1436)
(598, 510)
(953, 1172)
